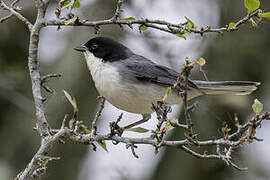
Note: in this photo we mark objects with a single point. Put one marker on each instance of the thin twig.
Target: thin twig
(177, 124)
(243, 128)
(204, 74)
(45, 79)
(64, 122)
(98, 114)
(18, 15)
(6, 18)
(161, 110)
(132, 147)
(198, 155)
(225, 158)
(118, 10)
(14, 3)
(186, 73)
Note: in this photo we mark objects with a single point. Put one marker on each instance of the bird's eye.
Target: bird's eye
(94, 46)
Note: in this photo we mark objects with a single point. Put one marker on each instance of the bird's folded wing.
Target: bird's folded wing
(147, 71)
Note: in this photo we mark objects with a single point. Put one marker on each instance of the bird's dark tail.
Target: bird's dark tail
(227, 87)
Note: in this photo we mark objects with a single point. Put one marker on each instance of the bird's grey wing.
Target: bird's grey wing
(145, 70)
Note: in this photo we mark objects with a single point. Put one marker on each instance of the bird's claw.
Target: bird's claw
(116, 129)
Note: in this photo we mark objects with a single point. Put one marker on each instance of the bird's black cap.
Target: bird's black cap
(106, 49)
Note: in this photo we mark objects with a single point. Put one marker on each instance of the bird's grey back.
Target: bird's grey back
(140, 69)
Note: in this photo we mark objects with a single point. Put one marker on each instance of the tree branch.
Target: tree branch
(33, 65)
(155, 24)
(3, 19)
(14, 3)
(221, 142)
(14, 12)
(118, 10)
(186, 72)
(46, 78)
(98, 114)
(46, 145)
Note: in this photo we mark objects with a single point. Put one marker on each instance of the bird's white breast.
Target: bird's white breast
(104, 75)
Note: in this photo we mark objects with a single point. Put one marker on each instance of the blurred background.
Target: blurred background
(240, 55)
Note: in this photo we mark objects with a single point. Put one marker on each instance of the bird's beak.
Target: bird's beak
(81, 48)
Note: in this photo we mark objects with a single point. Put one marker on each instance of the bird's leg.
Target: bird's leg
(116, 130)
(145, 118)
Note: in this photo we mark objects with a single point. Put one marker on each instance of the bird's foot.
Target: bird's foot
(116, 129)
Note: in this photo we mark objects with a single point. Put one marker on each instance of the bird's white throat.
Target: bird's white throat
(104, 74)
(94, 64)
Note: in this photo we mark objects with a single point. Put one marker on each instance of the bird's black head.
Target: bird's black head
(105, 49)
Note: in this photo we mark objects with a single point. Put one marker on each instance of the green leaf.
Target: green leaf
(87, 131)
(67, 4)
(143, 27)
(190, 23)
(138, 130)
(103, 145)
(252, 5)
(231, 25)
(257, 106)
(168, 125)
(167, 94)
(45, 162)
(181, 36)
(265, 15)
(201, 61)
(71, 100)
(71, 21)
(76, 4)
(128, 18)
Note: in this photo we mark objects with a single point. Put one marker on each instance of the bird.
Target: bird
(132, 82)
